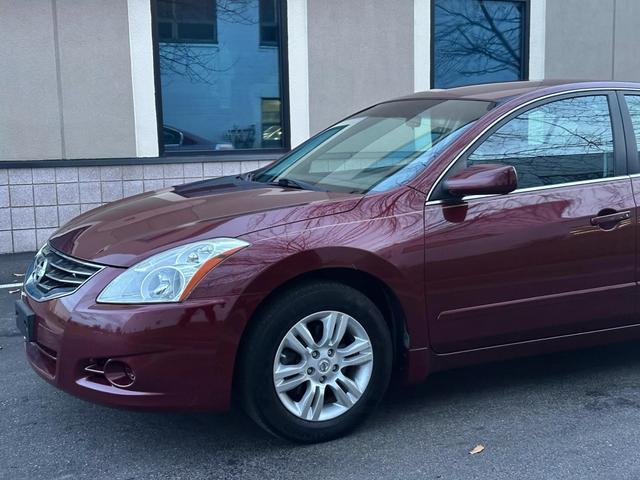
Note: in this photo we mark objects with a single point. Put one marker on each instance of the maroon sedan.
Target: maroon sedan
(428, 232)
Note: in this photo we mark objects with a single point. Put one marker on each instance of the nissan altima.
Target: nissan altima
(428, 232)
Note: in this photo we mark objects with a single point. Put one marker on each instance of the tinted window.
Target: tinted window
(477, 41)
(563, 141)
(220, 85)
(633, 104)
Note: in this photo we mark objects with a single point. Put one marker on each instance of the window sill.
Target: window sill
(190, 157)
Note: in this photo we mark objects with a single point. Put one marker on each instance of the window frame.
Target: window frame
(283, 65)
(524, 40)
(620, 142)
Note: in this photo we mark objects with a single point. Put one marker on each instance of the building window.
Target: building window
(269, 33)
(187, 21)
(478, 41)
(220, 89)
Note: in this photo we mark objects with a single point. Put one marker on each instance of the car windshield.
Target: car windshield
(376, 149)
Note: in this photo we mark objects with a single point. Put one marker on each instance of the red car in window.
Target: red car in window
(428, 232)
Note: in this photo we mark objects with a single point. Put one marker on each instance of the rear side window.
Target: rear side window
(563, 141)
(633, 104)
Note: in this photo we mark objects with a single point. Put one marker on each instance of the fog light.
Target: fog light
(119, 374)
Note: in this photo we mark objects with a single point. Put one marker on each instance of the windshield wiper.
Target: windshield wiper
(299, 184)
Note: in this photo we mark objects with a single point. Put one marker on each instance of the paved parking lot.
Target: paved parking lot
(570, 415)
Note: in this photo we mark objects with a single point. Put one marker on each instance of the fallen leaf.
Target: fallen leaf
(18, 274)
(477, 449)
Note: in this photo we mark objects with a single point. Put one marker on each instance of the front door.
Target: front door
(555, 257)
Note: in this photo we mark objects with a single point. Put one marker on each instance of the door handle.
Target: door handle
(611, 218)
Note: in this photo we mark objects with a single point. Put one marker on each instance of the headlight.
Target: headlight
(169, 276)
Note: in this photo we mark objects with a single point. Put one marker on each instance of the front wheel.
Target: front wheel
(316, 361)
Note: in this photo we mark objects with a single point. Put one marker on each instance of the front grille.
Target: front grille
(54, 274)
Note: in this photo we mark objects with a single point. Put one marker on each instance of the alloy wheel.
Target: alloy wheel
(323, 366)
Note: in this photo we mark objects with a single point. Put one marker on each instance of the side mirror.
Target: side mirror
(485, 179)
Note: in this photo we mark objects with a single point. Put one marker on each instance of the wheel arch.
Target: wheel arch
(373, 287)
(358, 269)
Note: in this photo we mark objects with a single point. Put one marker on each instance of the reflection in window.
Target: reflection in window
(271, 125)
(563, 141)
(633, 104)
(216, 76)
(171, 136)
(478, 41)
(378, 148)
(187, 20)
(268, 23)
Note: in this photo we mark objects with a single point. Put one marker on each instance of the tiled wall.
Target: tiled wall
(34, 202)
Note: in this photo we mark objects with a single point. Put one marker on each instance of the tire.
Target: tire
(266, 353)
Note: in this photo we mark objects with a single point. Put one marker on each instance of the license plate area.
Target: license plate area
(25, 321)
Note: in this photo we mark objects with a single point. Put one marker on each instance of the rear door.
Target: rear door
(630, 109)
(555, 257)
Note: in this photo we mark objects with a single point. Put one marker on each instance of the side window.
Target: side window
(633, 104)
(563, 141)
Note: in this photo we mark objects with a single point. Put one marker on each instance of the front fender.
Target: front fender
(390, 250)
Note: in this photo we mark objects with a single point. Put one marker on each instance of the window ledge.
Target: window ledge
(165, 159)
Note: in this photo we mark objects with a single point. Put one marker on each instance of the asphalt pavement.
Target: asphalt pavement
(573, 415)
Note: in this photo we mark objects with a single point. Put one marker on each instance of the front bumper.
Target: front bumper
(181, 356)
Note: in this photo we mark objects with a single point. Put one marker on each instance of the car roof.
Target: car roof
(499, 92)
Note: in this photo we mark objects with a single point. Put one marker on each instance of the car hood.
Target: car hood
(124, 232)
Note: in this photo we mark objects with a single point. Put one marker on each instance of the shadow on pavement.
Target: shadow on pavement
(202, 432)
